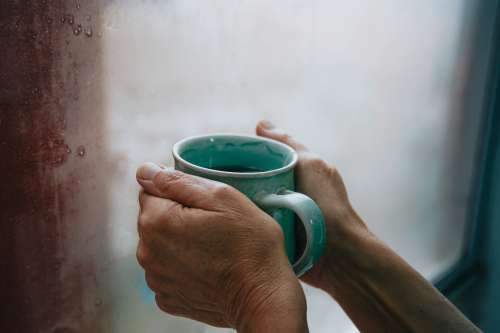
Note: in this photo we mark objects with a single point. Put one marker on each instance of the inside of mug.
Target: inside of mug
(235, 153)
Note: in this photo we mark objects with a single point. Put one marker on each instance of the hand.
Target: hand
(211, 255)
(323, 183)
(377, 289)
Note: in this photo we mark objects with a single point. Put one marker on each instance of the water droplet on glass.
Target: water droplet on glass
(212, 140)
(88, 18)
(70, 18)
(98, 302)
(80, 151)
(77, 30)
(88, 32)
(68, 150)
(77, 5)
(33, 36)
(49, 20)
(63, 19)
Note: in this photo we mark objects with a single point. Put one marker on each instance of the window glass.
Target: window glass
(373, 87)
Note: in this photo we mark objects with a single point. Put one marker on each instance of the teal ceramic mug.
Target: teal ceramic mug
(263, 170)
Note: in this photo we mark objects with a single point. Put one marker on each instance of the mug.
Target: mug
(263, 170)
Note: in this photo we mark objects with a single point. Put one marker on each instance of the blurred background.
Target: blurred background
(391, 92)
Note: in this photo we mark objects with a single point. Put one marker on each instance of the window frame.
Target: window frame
(471, 268)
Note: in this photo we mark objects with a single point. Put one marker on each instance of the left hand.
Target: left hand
(212, 255)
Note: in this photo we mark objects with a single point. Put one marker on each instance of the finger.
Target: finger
(145, 174)
(158, 283)
(149, 203)
(143, 254)
(142, 196)
(156, 214)
(267, 129)
(188, 190)
(164, 303)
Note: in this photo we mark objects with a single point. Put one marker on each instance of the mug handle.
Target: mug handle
(311, 217)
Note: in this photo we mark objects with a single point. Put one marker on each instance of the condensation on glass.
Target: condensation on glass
(54, 194)
(90, 89)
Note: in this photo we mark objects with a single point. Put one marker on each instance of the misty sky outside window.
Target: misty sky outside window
(373, 87)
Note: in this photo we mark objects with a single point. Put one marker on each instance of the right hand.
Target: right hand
(323, 183)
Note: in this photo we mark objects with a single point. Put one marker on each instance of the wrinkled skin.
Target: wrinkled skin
(209, 253)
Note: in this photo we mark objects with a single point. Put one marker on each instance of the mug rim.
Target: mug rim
(261, 174)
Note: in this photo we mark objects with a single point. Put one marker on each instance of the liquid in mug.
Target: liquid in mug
(237, 168)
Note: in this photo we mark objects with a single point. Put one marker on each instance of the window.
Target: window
(375, 88)
(381, 89)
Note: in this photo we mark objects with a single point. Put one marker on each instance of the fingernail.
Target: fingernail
(267, 124)
(148, 171)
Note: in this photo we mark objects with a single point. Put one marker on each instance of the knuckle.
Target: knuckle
(150, 281)
(317, 163)
(173, 218)
(334, 171)
(320, 166)
(331, 171)
(286, 137)
(165, 179)
(166, 306)
(172, 211)
(170, 309)
(224, 191)
(276, 232)
(142, 255)
(145, 222)
(142, 197)
(160, 301)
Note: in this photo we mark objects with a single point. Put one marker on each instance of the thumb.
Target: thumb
(188, 190)
(267, 129)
